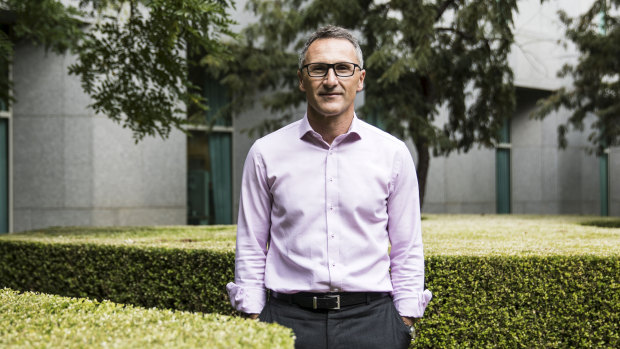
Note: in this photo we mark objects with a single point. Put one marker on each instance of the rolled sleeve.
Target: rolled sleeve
(247, 293)
(413, 306)
(247, 300)
(404, 229)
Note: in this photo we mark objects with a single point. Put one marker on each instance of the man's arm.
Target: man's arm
(404, 230)
(247, 294)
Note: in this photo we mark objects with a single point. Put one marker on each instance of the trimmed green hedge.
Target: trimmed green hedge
(42, 321)
(183, 279)
(529, 302)
(499, 281)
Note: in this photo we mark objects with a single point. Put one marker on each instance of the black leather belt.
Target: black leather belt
(331, 301)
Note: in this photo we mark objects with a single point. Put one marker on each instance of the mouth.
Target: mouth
(330, 94)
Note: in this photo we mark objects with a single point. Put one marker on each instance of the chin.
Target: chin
(331, 111)
(330, 114)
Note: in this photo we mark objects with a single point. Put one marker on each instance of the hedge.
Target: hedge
(183, 279)
(529, 288)
(527, 302)
(32, 320)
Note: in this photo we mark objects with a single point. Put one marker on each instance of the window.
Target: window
(502, 170)
(209, 162)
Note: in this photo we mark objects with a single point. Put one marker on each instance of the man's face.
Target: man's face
(331, 95)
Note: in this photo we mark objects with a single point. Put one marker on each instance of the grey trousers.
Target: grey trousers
(367, 326)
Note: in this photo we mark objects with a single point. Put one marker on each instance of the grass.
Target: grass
(522, 235)
(475, 235)
(218, 237)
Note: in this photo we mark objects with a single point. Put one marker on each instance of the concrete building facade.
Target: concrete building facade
(68, 167)
(71, 167)
(543, 179)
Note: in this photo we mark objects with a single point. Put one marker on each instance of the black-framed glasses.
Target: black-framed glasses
(341, 69)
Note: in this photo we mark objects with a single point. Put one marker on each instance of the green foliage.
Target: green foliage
(43, 22)
(527, 302)
(604, 223)
(183, 279)
(421, 55)
(133, 56)
(32, 320)
(497, 280)
(595, 91)
(136, 69)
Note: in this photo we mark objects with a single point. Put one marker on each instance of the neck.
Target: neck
(330, 127)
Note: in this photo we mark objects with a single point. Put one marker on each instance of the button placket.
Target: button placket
(331, 191)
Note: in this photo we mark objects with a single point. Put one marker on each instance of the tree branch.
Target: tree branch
(455, 31)
(442, 8)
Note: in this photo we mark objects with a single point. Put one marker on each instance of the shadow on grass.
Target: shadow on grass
(603, 223)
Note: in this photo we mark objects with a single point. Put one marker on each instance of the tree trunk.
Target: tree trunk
(424, 159)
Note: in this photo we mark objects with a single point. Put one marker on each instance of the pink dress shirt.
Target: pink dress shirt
(320, 218)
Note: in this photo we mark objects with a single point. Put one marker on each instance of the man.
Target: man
(322, 200)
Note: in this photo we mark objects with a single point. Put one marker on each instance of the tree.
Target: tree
(46, 22)
(420, 56)
(133, 56)
(595, 89)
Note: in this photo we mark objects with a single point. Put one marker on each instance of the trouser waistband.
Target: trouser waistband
(331, 301)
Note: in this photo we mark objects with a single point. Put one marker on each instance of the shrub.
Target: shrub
(498, 281)
(32, 320)
(529, 302)
(604, 223)
(172, 278)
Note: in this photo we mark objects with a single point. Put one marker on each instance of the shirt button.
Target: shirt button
(331, 179)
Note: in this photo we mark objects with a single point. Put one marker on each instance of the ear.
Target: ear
(301, 81)
(360, 83)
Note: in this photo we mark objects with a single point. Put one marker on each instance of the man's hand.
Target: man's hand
(409, 321)
(250, 316)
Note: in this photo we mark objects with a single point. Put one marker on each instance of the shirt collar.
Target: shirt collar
(354, 129)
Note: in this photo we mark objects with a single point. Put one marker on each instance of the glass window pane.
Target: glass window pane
(209, 178)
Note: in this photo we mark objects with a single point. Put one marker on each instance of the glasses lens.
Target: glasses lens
(321, 69)
(344, 69)
(317, 69)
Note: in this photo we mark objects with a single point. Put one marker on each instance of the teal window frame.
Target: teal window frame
(503, 172)
(604, 182)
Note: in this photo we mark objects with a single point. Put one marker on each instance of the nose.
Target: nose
(330, 79)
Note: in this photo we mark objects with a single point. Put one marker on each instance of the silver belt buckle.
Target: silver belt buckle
(337, 307)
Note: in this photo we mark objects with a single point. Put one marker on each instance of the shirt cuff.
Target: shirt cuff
(413, 306)
(245, 299)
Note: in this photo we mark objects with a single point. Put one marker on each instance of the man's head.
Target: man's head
(330, 72)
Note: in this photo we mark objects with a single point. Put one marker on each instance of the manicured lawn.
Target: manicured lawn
(518, 235)
(443, 235)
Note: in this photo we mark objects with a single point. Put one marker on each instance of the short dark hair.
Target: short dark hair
(331, 32)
